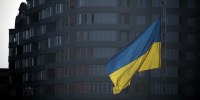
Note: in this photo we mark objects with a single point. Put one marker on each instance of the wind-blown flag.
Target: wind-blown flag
(143, 53)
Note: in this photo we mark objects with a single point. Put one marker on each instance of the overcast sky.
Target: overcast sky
(8, 12)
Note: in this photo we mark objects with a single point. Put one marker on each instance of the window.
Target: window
(169, 3)
(34, 76)
(157, 88)
(41, 75)
(191, 21)
(90, 70)
(59, 8)
(86, 18)
(172, 37)
(87, 3)
(44, 13)
(140, 74)
(40, 90)
(191, 4)
(11, 51)
(96, 35)
(190, 90)
(63, 55)
(72, 4)
(54, 41)
(97, 18)
(13, 92)
(28, 4)
(190, 73)
(46, 58)
(17, 62)
(141, 20)
(140, 88)
(27, 62)
(100, 35)
(84, 53)
(11, 38)
(65, 39)
(49, 12)
(157, 72)
(24, 63)
(104, 52)
(172, 20)
(171, 88)
(190, 55)
(28, 91)
(71, 20)
(11, 79)
(18, 50)
(26, 34)
(33, 3)
(124, 18)
(51, 27)
(27, 20)
(62, 88)
(93, 87)
(41, 2)
(172, 3)
(27, 48)
(60, 24)
(31, 32)
(191, 38)
(25, 77)
(62, 72)
(156, 3)
(43, 44)
(172, 54)
(17, 37)
(41, 29)
(171, 71)
(124, 3)
(141, 3)
(123, 36)
(41, 60)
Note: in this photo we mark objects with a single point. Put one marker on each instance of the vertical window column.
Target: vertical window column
(59, 8)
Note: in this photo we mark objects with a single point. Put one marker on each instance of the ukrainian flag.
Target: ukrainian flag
(144, 53)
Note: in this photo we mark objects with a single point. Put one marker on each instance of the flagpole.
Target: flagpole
(163, 57)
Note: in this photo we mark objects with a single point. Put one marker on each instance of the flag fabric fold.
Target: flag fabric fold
(143, 53)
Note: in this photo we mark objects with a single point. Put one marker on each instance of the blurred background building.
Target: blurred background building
(58, 49)
(4, 92)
